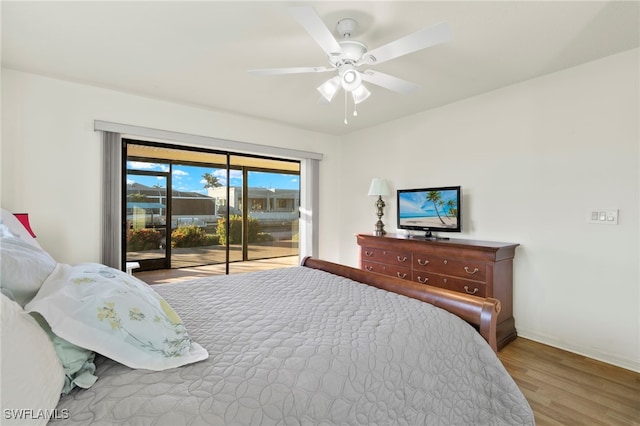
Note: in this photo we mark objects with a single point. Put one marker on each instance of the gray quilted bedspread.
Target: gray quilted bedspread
(298, 346)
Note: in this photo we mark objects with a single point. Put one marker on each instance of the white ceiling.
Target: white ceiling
(198, 53)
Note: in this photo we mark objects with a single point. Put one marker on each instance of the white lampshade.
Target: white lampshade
(329, 88)
(379, 187)
(360, 94)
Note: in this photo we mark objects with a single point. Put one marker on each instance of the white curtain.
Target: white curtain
(309, 201)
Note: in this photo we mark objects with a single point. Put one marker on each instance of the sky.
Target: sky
(189, 178)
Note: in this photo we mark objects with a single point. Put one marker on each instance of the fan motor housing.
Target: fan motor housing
(352, 51)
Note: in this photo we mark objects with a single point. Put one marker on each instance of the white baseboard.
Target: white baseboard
(629, 364)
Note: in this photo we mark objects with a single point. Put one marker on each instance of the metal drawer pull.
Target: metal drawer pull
(368, 253)
(445, 261)
(369, 268)
(466, 268)
(423, 262)
(444, 280)
(401, 259)
(421, 280)
(466, 288)
(401, 276)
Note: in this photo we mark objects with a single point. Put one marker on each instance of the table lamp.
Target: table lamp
(380, 188)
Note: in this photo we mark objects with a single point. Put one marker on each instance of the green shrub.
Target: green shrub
(264, 237)
(144, 239)
(235, 229)
(192, 236)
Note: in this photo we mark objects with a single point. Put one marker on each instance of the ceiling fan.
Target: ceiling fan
(347, 56)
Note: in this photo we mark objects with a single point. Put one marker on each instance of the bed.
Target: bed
(319, 343)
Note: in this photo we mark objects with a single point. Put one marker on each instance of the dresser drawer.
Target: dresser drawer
(390, 257)
(469, 269)
(373, 266)
(456, 284)
(391, 270)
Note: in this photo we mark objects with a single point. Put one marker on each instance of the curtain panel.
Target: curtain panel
(111, 252)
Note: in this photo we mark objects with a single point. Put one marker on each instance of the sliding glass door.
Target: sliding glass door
(264, 201)
(196, 207)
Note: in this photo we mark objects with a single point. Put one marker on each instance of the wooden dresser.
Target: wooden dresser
(481, 268)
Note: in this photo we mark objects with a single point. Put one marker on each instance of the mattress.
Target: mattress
(298, 346)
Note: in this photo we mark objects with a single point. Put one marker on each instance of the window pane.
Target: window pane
(146, 220)
(274, 200)
(195, 214)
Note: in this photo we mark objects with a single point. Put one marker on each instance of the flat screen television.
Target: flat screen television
(430, 210)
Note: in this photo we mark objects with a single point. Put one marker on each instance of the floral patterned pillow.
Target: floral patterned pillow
(115, 314)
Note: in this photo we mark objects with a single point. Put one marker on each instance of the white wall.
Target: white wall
(51, 157)
(531, 159)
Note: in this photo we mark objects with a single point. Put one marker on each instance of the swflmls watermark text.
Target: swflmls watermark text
(31, 414)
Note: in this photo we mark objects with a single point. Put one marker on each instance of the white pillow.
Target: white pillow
(7, 218)
(115, 314)
(5, 232)
(23, 269)
(32, 376)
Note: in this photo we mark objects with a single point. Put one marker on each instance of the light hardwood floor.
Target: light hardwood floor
(164, 276)
(562, 388)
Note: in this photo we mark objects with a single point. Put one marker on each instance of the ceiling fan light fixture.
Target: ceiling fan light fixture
(329, 88)
(351, 80)
(346, 55)
(360, 94)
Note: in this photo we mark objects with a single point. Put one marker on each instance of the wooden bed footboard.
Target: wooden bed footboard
(478, 311)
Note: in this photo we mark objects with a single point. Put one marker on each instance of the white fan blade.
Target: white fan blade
(295, 70)
(389, 82)
(419, 40)
(311, 21)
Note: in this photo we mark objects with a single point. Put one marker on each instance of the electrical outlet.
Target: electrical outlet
(602, 216)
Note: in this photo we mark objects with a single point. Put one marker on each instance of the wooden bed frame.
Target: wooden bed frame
(478, 311)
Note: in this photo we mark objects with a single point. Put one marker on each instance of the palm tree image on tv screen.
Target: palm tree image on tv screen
(432, 209)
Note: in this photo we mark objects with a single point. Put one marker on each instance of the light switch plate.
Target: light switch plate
(602, 216)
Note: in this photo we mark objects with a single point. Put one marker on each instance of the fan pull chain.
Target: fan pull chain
(345, 108)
